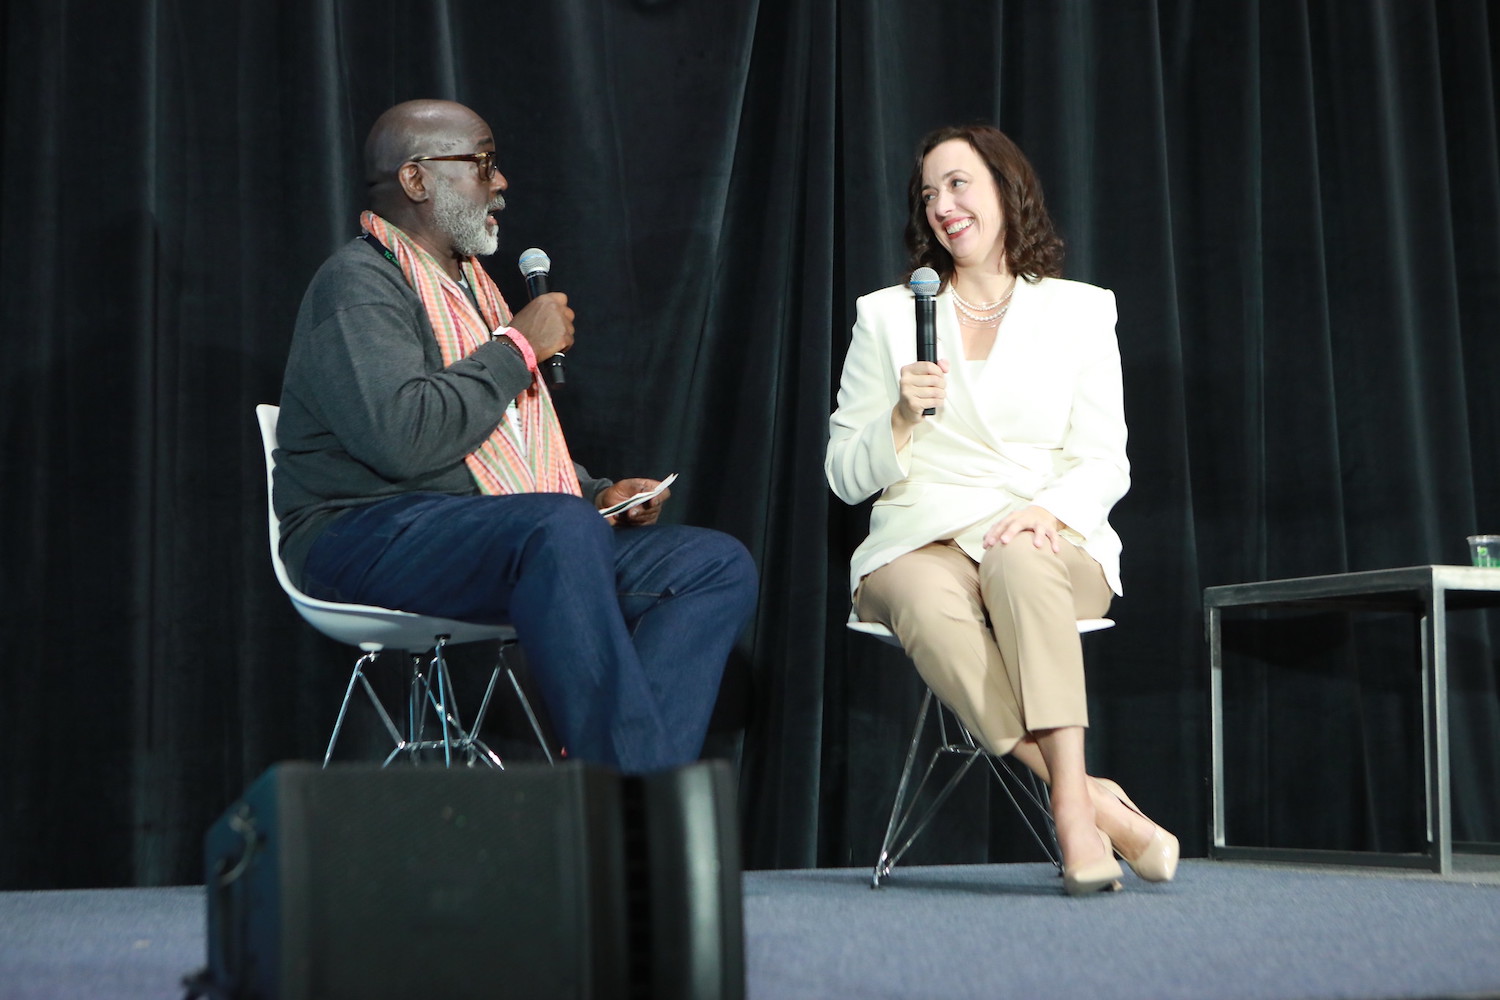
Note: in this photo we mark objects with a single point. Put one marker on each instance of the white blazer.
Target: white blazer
(1041, 421)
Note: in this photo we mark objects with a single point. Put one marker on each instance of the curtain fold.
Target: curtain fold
(1297, 206)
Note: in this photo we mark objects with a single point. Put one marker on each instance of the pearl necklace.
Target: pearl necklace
(979, 313)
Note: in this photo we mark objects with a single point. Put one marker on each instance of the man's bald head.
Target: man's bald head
(446, 206)
(416, 128)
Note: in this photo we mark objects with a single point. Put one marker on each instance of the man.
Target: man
(421, 465)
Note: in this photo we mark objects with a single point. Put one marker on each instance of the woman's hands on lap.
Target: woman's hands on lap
(1045, 528)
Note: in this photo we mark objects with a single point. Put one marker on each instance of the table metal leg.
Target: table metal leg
(1435, 730)
(1216, 728)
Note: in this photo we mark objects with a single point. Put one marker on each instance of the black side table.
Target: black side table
(1427, 592)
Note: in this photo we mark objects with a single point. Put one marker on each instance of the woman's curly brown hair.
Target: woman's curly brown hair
(1033, 249)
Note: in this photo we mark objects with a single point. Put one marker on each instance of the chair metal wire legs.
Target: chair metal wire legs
(430, 692)
(903, 809)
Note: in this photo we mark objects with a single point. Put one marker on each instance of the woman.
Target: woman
(990, 538)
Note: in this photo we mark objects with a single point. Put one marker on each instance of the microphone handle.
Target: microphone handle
(552, 368)
(555, 373)
(927, 334)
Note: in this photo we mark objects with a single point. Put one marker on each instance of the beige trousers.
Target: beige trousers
(997, 642)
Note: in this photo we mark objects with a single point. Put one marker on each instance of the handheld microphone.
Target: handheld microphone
(924, 285)
(535, 266)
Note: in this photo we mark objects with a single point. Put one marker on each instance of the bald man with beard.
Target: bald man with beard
(422, 466)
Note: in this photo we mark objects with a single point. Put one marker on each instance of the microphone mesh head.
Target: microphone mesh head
(535, 261)
(924, 282)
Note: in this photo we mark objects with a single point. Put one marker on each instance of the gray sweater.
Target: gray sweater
(367, 409)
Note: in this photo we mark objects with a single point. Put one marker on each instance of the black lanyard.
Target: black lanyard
(469, 292)
(384, 252)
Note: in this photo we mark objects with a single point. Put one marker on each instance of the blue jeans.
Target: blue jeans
(626, 630)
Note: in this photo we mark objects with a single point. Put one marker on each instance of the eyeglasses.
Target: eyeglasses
(487, 165)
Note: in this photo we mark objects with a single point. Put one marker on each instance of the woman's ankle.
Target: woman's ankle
(1077, 824)
(1124, 826)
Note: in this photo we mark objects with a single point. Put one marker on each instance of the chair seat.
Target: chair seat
(885, 635)
(371, 628)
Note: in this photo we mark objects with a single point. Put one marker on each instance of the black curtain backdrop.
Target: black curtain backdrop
(1297, 205)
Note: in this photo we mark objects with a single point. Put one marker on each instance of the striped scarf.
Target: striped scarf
(536, 460)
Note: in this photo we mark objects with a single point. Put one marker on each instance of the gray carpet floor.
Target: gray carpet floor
(1232, 930)
(1219, 930)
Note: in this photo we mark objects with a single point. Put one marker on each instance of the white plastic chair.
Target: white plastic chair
(374, 629)
(969, 750)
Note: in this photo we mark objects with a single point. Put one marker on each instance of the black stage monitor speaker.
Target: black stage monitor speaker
(683, 853)
(538, 881)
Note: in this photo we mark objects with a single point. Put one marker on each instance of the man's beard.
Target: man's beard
(463, 222)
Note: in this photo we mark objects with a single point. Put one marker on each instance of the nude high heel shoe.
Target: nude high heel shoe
(1157, 861)
(1096, 876)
